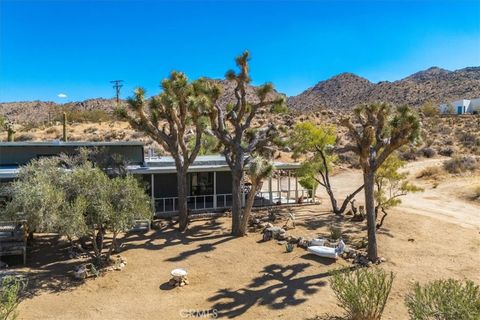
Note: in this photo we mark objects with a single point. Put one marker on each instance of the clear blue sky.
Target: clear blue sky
(76, 47)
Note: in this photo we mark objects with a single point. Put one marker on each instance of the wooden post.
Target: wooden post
(288, 194)
(270, 194)
(152, 190)
(65, 138)
(214, 189)
(296, 188)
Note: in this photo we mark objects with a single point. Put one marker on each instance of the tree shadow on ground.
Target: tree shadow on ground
(278, 287)
(203, 234)
(49, 266)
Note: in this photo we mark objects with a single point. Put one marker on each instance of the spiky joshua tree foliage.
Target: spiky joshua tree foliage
(376, 132)
(240, 140)
(176, 119)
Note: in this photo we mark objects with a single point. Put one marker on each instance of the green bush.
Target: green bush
(9, 292)
(362, 293)
(444, 300)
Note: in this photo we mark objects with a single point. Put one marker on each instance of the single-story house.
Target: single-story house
(462, 106)
(209, 176)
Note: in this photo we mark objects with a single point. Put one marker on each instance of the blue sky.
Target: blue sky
(77, 47)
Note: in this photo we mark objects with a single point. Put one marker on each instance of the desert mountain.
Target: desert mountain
(347, 90)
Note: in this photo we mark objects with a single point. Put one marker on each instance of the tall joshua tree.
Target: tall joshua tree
(376, 134)
(176, 119)
(240, 139)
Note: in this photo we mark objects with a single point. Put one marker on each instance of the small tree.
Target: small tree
(317, 144)
(175, 118)
(376, 134)
(240, 140)
(391, 185)
(9, 296)
(77, 201)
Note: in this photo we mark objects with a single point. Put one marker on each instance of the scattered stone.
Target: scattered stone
(282, 242)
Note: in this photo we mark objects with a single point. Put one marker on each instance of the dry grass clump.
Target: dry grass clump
(430, 173)
(461, 164)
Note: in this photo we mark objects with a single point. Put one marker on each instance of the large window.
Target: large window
(201, 183)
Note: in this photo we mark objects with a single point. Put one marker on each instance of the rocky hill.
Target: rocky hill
(348, 90)
(341, 92)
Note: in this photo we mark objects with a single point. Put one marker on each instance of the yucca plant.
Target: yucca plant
(362, 293)
(444, 300)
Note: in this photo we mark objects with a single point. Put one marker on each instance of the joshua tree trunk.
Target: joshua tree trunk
(237, 229)
(369, 182)
(182, 199)
(247, 210)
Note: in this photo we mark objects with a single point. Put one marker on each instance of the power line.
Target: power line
(117, 84)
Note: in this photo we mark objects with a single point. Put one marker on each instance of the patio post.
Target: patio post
(279, 178)
(288, 194)
(214, 189)
(152, 191)
(296, 188)
(270, 194)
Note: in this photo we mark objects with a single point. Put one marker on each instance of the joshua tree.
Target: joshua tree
(176, 117)
(259, 168)
(240, 140)
(308, 139)
(376, 134)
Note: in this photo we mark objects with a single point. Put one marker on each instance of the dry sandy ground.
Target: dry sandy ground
(247, 279)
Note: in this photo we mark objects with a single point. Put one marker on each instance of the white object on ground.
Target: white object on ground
(179, 273)
(327, 252)
(317, 242)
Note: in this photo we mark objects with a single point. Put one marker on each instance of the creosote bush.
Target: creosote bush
(444, 300)
(461, 164)
(362, 293)
(9, 296)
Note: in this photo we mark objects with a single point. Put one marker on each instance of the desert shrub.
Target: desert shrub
(476, 194)
(52, 130)
(137, 135)
(24, 137)
(408, 155)
(90, 130)
(428, 152)
(447, 151)
(75, 115)
(460, 164)
(444, 300)
(430, 172)
(9, 296)
(362, 293)
(350, 158)
(335, 231)
(430, 109)
(468, 139)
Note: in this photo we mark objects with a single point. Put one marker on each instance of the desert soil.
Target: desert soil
(432, 235)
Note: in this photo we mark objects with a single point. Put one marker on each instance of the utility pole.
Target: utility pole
(117, 84)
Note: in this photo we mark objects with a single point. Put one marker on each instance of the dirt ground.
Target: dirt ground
(432, 235)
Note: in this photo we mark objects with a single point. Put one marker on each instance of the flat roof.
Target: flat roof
(11, 172)
(56, 143)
